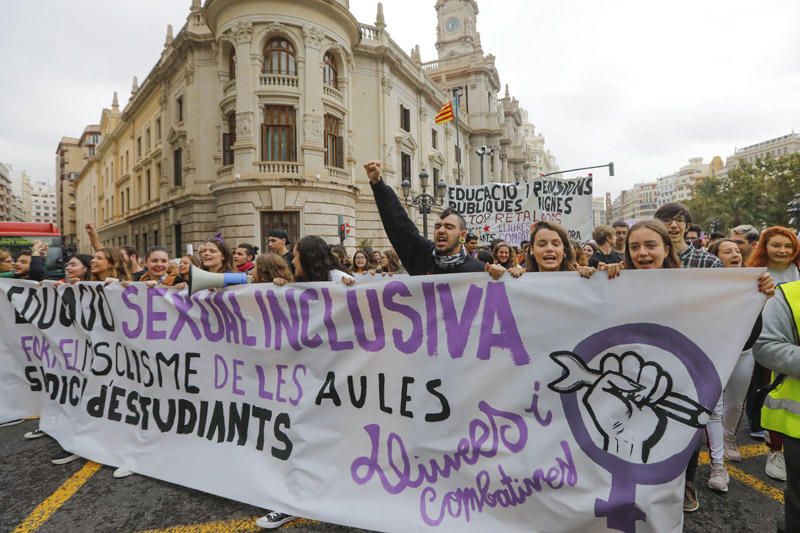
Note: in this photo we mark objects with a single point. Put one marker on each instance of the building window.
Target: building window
(232, 64)
(405, 118)
(138, 147)
(435, 176)
(334, 144)
(147, 184)
(179, 109)
(278, 134)
(279, 57)
(330, 75)
(288, 221)
(178, 240)
(435, 139)
(158, 129)
(127, 161)
(155, 237)
(177, 157)
(405, 166)
(147, 139)
(228, 139)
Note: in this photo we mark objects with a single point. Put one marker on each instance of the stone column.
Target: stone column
(313, 146)
(246, 147)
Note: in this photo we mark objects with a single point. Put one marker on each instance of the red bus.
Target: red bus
(17, 236)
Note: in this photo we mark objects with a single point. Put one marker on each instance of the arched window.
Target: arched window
(279, 57)
(330, 75)
(232, 64)
(334, 144)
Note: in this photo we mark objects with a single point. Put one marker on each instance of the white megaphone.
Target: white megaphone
(199, 279)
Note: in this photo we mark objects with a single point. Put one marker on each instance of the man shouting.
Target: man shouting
(446, 255)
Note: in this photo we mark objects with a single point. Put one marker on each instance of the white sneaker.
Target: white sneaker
(274, 520)
(732, 449)
(776, 466)
(121, 473)
(719, 478)
(35, 434)
(65, 458)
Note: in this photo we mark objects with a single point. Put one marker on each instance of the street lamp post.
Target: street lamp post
(793, 208)
(424, 201)
(483, 152)
(609, 165)
(715, 225)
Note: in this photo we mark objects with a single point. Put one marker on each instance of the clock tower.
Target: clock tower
(457, 32)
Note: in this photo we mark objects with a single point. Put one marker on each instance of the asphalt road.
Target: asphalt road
(33, 496)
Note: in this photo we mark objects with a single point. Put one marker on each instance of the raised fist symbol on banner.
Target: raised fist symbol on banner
(629, 401)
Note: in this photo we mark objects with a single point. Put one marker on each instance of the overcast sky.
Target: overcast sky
(645, 84)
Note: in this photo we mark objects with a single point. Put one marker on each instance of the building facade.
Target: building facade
(69, 162)
(774, 148)
(260, 115)
(6, 195)
(43, 203)
(598, 211)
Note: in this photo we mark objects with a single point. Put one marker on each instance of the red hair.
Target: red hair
(760, 256)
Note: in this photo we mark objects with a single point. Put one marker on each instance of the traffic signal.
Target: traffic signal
(342, 232)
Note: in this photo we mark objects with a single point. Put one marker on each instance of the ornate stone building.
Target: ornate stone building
(260, 115)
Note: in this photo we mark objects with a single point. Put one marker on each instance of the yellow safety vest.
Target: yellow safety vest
(781, 411)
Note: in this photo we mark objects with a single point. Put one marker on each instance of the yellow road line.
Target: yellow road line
(755, 483)
(45, 510)
(238, 525)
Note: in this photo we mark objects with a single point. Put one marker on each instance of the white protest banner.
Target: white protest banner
(547, 403)
(507, 210)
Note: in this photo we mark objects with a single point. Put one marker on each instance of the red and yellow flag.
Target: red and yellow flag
(445, 114)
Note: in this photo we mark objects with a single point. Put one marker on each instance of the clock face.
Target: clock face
(451, 25)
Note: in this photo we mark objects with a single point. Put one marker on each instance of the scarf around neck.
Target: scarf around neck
(449, 262)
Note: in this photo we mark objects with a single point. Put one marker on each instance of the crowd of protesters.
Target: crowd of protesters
(670, 240)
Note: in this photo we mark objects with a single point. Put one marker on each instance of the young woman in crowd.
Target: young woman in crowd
(215, 256)
(589, 248)
(78, 268)
(243, 257)
(504, 255)
(108, 265)
(270, 266)
(390, 263)
(721, 428)
(159, 270)
(580, 255)
(361, 263)
(6, 264)
(340, 253)
(778, 250)
(313, 261)
(550, 250)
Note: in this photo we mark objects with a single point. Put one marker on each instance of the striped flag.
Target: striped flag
(445, 114)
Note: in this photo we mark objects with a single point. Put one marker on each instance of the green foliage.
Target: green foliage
(364, 243)
(752, 193)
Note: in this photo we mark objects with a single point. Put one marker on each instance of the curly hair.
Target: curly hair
(315, 258)
(270, 266)
(119, 267)
(512, 256)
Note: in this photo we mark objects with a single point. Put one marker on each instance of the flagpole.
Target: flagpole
(457, 94)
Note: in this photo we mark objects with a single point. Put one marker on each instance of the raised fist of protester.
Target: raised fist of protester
(279, 282)
(373, 169)
(766, 285)
(621, 404)
(38, 248)
(89, 227)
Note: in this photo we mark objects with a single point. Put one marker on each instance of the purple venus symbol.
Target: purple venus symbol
(620, 509)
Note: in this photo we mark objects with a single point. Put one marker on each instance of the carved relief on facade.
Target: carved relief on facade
(313, 36)
(312, 127)
(388, 85)
(244, 124)
(243, 32)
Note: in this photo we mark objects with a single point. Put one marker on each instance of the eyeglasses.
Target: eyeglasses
(669, 220)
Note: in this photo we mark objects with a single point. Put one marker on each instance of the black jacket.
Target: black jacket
(415, 251)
